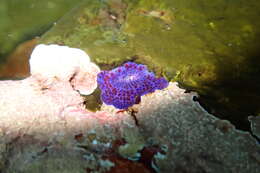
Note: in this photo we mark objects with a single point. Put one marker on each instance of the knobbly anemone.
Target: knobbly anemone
(123, 86)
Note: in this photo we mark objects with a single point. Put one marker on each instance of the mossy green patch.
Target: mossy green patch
(24, 20)
(134, 144)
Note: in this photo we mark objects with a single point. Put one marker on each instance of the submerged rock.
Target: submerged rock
(214, 53)
(58, 75)
(173, 134)
(44, 124)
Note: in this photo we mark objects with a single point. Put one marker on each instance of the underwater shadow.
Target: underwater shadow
(236, 94)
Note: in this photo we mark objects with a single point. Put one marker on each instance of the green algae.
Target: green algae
(176, 36)
(134, 143)
(24, 20)
(189, 42)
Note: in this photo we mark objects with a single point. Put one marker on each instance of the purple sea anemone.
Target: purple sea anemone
(123, 86)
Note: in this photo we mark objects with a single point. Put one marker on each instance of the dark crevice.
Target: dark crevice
(133, 113)
(235, 93)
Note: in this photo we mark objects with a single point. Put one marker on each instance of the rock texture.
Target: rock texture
(166, 132)
(255, 125)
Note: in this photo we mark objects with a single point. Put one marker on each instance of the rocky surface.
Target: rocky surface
(255, 125)
(166, 132)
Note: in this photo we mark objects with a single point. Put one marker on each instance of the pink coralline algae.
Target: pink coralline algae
(123, 86)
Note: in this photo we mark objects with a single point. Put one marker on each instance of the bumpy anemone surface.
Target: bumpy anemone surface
(123, 86)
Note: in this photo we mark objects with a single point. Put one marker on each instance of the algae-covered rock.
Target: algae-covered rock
(192, 42)
(23, 20)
